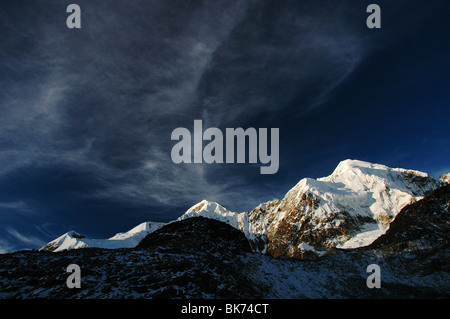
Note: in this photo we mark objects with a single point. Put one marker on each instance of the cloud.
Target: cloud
(294, 55)
(31, 241)
(6, 247)
(103, 100)
(172, 185)
(17, 206)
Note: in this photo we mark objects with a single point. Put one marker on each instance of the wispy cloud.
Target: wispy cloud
(104, 99)
(6, 246)
(31, 241)
(295, 54)
(17, 206)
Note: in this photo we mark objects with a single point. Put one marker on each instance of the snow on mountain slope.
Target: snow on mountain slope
(73, 240)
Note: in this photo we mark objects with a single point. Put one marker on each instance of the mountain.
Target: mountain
(204, 258)
(348, 209)
(73, 240)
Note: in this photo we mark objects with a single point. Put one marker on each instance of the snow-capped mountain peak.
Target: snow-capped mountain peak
(212, 210)
(73, 240)
(207, 206)
(67, 241)
(349, 208)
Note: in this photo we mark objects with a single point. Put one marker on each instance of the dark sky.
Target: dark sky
(86, 114)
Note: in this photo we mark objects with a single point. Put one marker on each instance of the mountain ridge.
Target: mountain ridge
(349, 208)
(73, 240)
